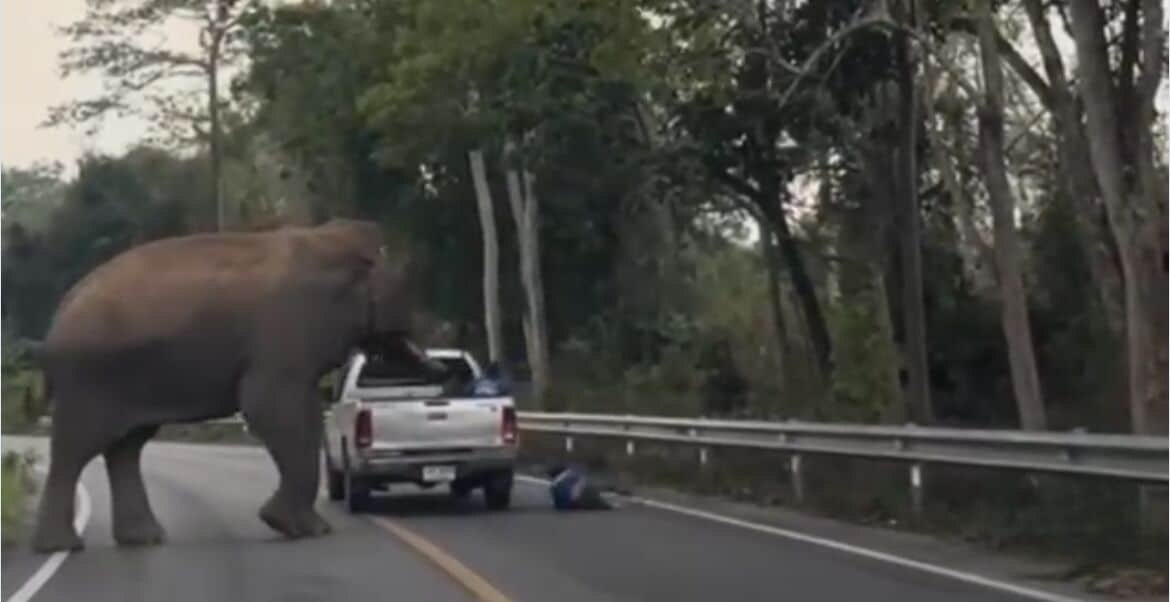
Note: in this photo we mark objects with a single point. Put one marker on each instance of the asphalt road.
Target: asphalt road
(207, 498)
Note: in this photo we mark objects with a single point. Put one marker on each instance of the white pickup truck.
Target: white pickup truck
(391, 424)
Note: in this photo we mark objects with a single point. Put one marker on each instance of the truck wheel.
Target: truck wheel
(336, 484)
(460, 490)
(357, 493)
(497, 491)
(357, 489)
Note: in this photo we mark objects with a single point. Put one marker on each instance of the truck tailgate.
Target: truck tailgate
(436, 423)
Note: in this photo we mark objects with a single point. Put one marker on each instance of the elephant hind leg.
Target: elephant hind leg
(74, 443)
(287, 419)
(134, 522)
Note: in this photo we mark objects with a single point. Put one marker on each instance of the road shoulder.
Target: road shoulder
(1015, 570)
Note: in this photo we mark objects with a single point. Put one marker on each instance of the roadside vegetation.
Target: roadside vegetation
(16, 492)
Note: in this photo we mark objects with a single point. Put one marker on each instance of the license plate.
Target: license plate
(438, 474)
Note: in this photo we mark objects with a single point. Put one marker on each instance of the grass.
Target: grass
(16, 485)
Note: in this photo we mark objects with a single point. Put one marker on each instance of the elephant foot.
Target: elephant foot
(146, 533)
(63, 539)
(294, 524)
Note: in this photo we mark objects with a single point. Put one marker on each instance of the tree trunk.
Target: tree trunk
(535, 279)
(525, 212)
(806, 295)
(214, 151)
(491, 256)
(1013, 299)
(1123, 206)
(772, 266)
(1153, 216)
(1076, 179)
(910, 241)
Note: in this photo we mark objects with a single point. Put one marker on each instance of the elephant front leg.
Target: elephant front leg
(288, 422)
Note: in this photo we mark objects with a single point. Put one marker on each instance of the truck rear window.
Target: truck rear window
(391, 371)
(458, 368)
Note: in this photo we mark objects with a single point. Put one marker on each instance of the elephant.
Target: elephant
(202, 326)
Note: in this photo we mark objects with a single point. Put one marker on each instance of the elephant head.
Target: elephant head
(379, 273)
(385, 279)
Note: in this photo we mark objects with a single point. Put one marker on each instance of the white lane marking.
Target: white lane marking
(46, 570)
(966, 577)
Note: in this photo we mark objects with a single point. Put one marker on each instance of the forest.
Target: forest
(933, 211)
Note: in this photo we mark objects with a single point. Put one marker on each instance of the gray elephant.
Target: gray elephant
(199, 327)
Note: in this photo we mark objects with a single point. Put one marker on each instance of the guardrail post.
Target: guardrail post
(630, 447)
(703, 456)
(797, 479)
(569, 445)
(916, 489)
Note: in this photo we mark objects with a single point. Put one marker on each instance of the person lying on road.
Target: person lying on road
(571, 489)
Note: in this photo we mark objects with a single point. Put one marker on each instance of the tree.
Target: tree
(114, 39)
(112, 204)
(526, 212)
(511, 80)
(491, 256)
(1017, 327)
(1134, 203)
(909, 218)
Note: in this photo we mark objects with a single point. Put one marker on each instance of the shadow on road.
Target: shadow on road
(439, 504)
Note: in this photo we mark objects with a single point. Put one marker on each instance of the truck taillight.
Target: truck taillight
(363, 430)
(508, 426)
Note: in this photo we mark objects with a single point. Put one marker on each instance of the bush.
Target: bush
(16, 485)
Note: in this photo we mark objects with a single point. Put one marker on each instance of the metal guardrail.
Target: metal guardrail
(1143, 459)
(1132, 457)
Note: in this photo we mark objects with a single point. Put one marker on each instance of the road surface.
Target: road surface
(207, 498)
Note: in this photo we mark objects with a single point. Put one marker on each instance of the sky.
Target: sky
(30, 84)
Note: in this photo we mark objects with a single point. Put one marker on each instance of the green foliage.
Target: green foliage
(16, 487)
(23, 395)
(113, 204)
(1072, 338)
(30, 195)
(865, 385)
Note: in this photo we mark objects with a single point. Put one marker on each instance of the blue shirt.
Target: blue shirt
(566, 488)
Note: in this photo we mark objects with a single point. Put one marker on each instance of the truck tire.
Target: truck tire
(336, 484)
(357, 493)
(497, 490)
(357, 489)
(460, 489)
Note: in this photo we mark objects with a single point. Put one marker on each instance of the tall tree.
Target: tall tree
(491, 256)
(1058, 94)
(1134, 203)
(909, 218)
(120, 42)
(1017, 327)
(526, 213)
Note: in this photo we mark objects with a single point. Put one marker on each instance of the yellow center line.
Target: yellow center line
(469, 579)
